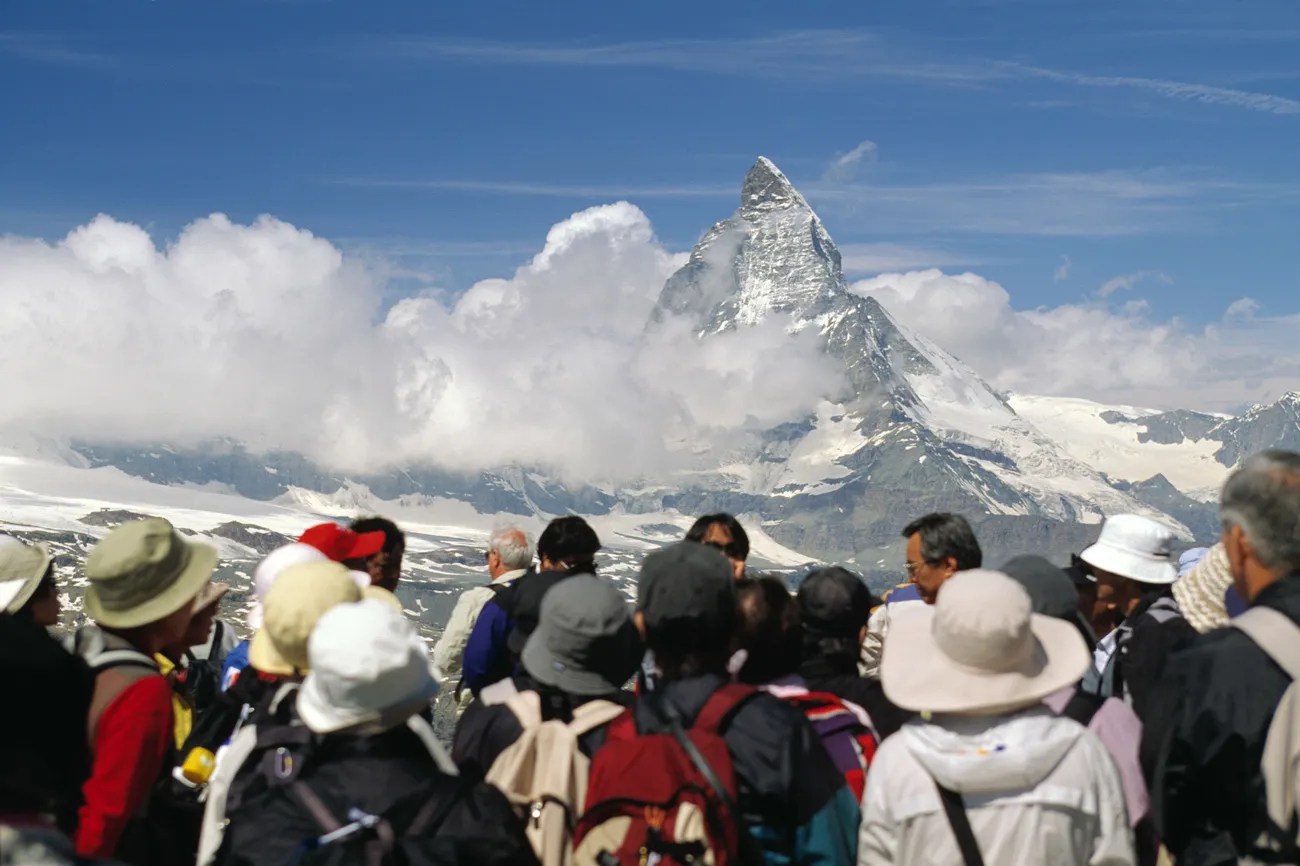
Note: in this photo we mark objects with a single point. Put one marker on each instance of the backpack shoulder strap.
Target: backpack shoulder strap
(1082, 706)
(955, 809)
(1275, 634)
(592, 715)
(721, 705)
(499, 692)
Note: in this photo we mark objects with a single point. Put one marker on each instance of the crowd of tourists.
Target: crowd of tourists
(1137, 706)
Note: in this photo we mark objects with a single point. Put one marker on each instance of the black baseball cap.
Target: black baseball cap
(834, 603)
(687, 582)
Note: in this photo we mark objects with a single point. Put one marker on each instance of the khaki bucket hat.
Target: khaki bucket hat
(21, 568)
(144, 571)
(294, 603)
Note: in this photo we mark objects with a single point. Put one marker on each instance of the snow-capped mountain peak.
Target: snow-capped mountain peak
(767, 188)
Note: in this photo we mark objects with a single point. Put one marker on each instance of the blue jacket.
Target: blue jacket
(487, 654)
(236, 661)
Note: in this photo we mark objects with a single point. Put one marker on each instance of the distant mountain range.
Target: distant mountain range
(910, 430)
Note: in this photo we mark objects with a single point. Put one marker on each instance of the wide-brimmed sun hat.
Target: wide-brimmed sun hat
(144, 571)
(21, 568)
(369, 671)
(979, 650)
(294, 604)
(1135, 547)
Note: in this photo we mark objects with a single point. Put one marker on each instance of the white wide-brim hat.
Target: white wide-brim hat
(369, 671)
(1135, 547)
(979, 650)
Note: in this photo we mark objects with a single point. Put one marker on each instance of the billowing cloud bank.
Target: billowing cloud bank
(269, 335)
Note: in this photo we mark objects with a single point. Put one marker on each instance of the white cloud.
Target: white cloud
(846, 165)
(1091, 350)
(1242, 309)
(862, 259)
(1124, 282)
(270, 335)
(1062, 272)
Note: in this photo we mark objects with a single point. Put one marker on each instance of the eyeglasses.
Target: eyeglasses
(913, 566)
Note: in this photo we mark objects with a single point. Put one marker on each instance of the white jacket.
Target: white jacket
(449, 651)
(1038, 789)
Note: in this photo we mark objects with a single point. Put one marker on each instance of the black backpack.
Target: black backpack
(453, 820)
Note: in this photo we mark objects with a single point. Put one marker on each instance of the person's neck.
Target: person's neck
(1259, 578)
(140, 638)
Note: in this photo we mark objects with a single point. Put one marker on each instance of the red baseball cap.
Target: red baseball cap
(342, 545)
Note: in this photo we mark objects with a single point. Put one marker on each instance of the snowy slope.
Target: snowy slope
(1115, 447)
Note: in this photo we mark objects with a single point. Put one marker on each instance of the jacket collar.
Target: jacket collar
(509, 576)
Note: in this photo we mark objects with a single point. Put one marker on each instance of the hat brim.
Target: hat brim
(321, 718)
(918, 676)
(198, 571)
(14, 594)
(549, 670)
(210, 596)
(366, 545)
(1134, 566)
(263, 656)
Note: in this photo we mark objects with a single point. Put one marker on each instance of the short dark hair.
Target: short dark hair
(394, 538)
(944, 535)
(768, 628)
(739, 547)
(569, 540)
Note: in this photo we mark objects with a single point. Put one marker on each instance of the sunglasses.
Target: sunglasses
(730, 549)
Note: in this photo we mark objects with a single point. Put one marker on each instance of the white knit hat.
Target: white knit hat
(1200, 594)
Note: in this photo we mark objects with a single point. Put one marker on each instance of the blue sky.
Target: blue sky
(1054, 147)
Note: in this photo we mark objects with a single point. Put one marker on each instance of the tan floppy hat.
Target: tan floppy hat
(378, 593)
(293, 604)
(979, 650)
(1200, 593)
(21, 568)
(211, 595)
(144, 571)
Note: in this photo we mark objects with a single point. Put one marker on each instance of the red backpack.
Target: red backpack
(850, 743)
(667, 798)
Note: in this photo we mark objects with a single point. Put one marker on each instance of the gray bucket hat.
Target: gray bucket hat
(585, 642)
(144, 571)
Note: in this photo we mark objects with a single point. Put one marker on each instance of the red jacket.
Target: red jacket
(132, 741)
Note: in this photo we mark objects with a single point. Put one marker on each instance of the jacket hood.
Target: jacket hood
(987, 755)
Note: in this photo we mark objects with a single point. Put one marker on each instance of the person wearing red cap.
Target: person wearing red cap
(343, 545)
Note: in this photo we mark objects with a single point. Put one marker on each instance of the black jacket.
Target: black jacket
(1153, 640)
(392, 775)
(838, 675)
(1204, 739)
(484, 732)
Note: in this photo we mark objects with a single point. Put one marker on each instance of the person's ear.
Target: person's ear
(638, 619)
(949, 566)
(862, 635)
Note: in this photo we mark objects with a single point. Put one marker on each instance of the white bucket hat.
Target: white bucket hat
(271, 568)
(1135, 547)
(369, 671)
(979, 650)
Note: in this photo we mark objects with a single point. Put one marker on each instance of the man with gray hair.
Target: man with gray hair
(509, 555)
(1204, 746)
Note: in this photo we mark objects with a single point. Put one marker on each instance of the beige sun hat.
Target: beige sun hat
(979, 650)
(1200, 593)
(22, 566)
(298, 598)
(144, 571)
(378, 593)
